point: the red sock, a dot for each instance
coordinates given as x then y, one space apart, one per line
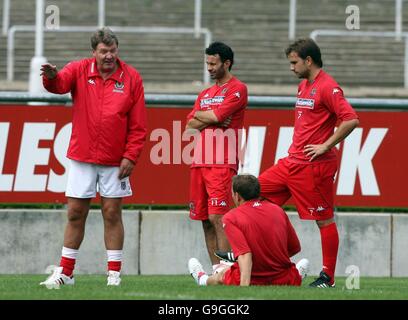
330 247
68 265
114 265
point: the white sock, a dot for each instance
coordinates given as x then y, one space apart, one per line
114 255
69 253
203 280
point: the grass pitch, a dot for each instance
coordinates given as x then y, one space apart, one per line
183 287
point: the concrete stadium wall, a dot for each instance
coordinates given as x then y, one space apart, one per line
161 242
168 240
31 240
365 241
399 242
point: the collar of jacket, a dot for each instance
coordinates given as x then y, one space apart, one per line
117 76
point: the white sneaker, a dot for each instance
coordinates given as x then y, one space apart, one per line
303 267
196 269
113 278
57 278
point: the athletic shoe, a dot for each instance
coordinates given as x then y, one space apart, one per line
196 269
323 281
303 267
225 255
57 278
113 278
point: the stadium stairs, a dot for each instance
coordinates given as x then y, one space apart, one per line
258 33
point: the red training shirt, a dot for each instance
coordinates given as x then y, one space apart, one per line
264 229
318 107
227 100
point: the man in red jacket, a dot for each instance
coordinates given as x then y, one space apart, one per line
108 134
262 238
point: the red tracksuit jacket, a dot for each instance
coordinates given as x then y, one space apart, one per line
109 117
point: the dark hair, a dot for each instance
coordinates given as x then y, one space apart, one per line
224 51
247 186
103 35
306 48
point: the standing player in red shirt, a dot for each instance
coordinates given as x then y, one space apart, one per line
108 134
261 237
217 116
307 173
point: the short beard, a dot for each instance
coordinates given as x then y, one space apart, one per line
304 75
219 74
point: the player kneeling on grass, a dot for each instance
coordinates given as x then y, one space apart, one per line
262 238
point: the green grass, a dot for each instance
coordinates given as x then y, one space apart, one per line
93 287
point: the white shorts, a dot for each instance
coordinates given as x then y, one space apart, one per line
86 179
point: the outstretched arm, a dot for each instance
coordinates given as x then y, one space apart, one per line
59 82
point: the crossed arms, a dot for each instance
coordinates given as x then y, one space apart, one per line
203 119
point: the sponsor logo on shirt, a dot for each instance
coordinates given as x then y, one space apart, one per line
237 94
336 90
91 81
215 100
305 103
256 204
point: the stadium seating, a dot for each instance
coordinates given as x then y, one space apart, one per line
257 31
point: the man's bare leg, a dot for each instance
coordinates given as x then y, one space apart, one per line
210 240
222 241
114 233
75 229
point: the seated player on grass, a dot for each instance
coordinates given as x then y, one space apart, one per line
262 238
